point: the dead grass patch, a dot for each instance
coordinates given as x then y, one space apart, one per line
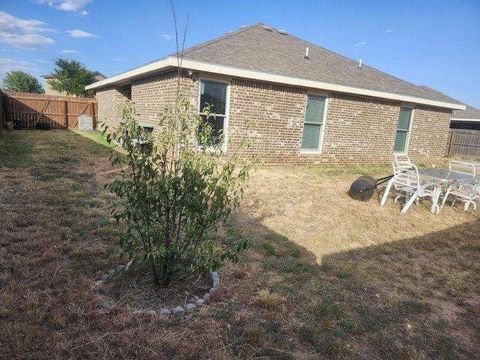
270 300
327 277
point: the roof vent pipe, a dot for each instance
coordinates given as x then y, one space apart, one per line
306 52
360 63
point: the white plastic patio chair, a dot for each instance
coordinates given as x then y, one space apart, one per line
466 193
463 192
406 182
462 167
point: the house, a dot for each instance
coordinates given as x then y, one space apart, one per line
297 102
466 119
48 87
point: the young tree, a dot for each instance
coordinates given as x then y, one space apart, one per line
22 82
72 77
176 188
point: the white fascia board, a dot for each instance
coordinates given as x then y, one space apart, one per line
465 120
262 76
140 71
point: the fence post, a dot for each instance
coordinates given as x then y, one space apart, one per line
2 113
449 143
92 107
65 115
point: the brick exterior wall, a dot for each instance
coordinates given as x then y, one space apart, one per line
110 102
357 129
429 134
151 95
270 116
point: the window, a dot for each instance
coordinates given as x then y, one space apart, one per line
126 91
213 95
146 128
312 128
403 129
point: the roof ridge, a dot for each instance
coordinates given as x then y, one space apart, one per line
225 36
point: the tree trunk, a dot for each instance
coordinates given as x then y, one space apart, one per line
156 278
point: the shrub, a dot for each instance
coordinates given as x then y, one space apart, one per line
176 188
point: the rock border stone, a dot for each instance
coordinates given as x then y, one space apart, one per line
175 310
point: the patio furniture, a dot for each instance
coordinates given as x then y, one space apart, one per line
464 167
407 183
463 191
466 193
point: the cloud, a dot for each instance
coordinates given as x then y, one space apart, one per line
361 43
80 34
7 65
23 33
388 31
68 5
166 37
117 59
12 63
69 51
27 41
12 24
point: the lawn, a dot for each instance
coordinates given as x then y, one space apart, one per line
326 277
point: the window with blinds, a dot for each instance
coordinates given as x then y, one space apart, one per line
403 129
213 107
312 127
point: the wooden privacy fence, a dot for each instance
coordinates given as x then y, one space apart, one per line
2 121
464 143
61 112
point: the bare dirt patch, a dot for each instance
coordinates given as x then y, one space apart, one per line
135 290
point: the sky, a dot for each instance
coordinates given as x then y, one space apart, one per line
427 42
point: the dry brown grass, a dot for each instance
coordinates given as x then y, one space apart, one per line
327 276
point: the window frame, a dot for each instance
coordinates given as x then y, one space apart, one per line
409 131
323 125
226 117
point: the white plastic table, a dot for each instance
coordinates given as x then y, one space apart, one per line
441 178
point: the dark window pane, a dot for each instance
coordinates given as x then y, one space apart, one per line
315 108
213 94
216 124
404 119
311 136
147 128
400 141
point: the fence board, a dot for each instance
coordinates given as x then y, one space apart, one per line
2 122
61 112
464 143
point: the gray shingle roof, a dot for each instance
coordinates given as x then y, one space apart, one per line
258 49
469 113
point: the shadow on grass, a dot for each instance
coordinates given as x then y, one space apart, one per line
413 298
